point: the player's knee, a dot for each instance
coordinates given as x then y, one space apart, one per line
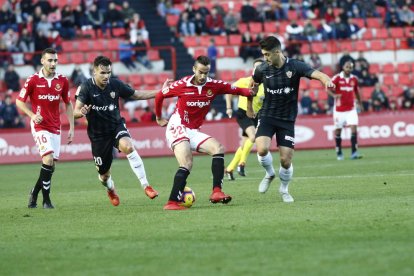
127 149
262 151
104 177
218 149
48 160
285 162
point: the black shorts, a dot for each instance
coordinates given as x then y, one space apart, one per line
244 121
284 130
103 147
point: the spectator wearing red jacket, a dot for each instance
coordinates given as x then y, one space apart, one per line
214 22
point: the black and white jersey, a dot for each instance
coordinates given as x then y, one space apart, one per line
281 86
104 115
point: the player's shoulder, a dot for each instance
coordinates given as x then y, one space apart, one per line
61 77
33 77
337 76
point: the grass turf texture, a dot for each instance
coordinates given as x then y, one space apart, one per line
349 218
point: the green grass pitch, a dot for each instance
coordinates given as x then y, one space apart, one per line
349 218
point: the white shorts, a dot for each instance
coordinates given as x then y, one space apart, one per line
176 132
345 118
47 142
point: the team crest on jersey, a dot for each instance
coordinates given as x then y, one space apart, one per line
112 94
58 87
289 74
209 93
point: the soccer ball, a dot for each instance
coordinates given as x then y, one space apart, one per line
188 198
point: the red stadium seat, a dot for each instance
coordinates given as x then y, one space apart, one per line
361 46
190 41
293 15
112 44
366 92
376 45
345 46
77 57
162 76
205 40
229 52
99 44
199 52
381 33
404 68
83 45
226 75
270 27
388 68
238 74
235 39
243 27
255 27
281 26
328 70
389 44
405 79
150 79
135 80
124 78
305 48
397 32
374 22
69 46
221 40
153 54
313 84
318 47
63 58
360 22
389 80
374 68
118 32
304 84
172 20
367 35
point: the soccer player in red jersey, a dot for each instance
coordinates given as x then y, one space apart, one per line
195 94
45 89
345 112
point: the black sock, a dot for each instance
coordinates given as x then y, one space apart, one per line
180 180
217 168
45 180
338 142
354 142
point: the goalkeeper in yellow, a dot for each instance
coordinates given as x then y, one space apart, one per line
248 125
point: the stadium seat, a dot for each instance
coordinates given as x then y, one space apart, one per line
359 21
241 74
381 33
118 32
99 44
388 68
235 39
328 70
367 35
374 68
77 57
199 52
243 27
153 54
404 68
397 32
388 79
404 44
389 44
313 84
366 92
135 80
405 79
162 76
205 40
376 45
318 47
255 27
69 46
305 48
150 79
281 26
270 27
361 46
229 52
374 22
190 41
304 84
345 46
293 15
330 47
63 58
172 20
124 78
220 40
112 44
226 75
83 45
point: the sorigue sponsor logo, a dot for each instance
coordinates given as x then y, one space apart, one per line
199 104
49 97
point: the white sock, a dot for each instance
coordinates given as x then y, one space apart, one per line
109 184
137 167
267 163
285 176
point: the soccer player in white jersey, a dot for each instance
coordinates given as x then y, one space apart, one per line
345 109
45 89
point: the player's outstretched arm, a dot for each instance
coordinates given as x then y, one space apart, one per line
69 114
324 79
149 94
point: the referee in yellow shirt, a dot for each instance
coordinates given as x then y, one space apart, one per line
248 125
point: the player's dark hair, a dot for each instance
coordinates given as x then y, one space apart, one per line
204 60
101 60
270 43
49 51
